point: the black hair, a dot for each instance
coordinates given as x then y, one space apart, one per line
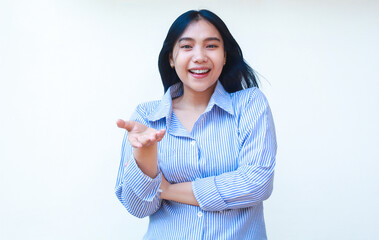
236 73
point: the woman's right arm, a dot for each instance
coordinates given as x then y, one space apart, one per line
138 178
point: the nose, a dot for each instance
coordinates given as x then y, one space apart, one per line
199 56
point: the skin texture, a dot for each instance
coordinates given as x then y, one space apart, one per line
198 58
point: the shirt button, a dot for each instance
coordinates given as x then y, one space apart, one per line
199 214
193 143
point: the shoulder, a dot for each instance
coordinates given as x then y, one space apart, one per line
143 110
249 99
147 107
252 112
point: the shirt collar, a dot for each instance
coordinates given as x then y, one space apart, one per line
220 97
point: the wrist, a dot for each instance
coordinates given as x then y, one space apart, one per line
146 159
165 189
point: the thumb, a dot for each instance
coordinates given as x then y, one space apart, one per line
128 125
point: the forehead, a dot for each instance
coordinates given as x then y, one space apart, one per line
200 29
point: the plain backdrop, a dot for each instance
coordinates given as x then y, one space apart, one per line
70 68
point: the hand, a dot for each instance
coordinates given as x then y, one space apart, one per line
140 135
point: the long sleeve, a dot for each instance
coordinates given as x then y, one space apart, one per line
135 190
229 157
252 181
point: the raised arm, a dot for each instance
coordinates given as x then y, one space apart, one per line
138 178
144 140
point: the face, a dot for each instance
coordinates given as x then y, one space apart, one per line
198 57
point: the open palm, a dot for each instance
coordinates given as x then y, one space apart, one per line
140 135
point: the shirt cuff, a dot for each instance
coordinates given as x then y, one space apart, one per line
145 187
207 195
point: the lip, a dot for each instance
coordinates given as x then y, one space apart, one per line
199 68
199 75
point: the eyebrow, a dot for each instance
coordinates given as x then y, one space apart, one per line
191 39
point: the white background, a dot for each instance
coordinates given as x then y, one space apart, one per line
69 69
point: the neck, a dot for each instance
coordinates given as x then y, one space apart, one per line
192 100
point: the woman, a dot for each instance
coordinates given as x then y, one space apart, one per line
200 161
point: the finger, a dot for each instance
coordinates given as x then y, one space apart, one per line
160 134
151 138
134 142
128 125
145 140
120 123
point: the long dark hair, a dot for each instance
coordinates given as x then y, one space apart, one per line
236 74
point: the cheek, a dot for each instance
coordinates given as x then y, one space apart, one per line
219 59
219 64
180 59
181 67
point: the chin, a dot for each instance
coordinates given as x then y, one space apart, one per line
201 88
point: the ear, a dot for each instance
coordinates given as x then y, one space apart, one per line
171 61
224 58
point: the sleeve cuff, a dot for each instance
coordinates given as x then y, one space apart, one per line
142 185
207 195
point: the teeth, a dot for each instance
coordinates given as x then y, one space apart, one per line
200 71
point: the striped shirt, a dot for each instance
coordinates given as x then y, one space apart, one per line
229 157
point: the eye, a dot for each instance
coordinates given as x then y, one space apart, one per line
186 46
212 46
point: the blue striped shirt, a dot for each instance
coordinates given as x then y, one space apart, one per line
229 157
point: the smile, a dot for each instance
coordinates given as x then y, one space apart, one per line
199 71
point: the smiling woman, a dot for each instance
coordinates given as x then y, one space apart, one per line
198 57
200 162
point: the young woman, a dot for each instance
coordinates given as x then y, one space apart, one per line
200 161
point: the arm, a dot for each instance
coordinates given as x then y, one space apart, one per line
138 178
144 140
251 182
179 192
